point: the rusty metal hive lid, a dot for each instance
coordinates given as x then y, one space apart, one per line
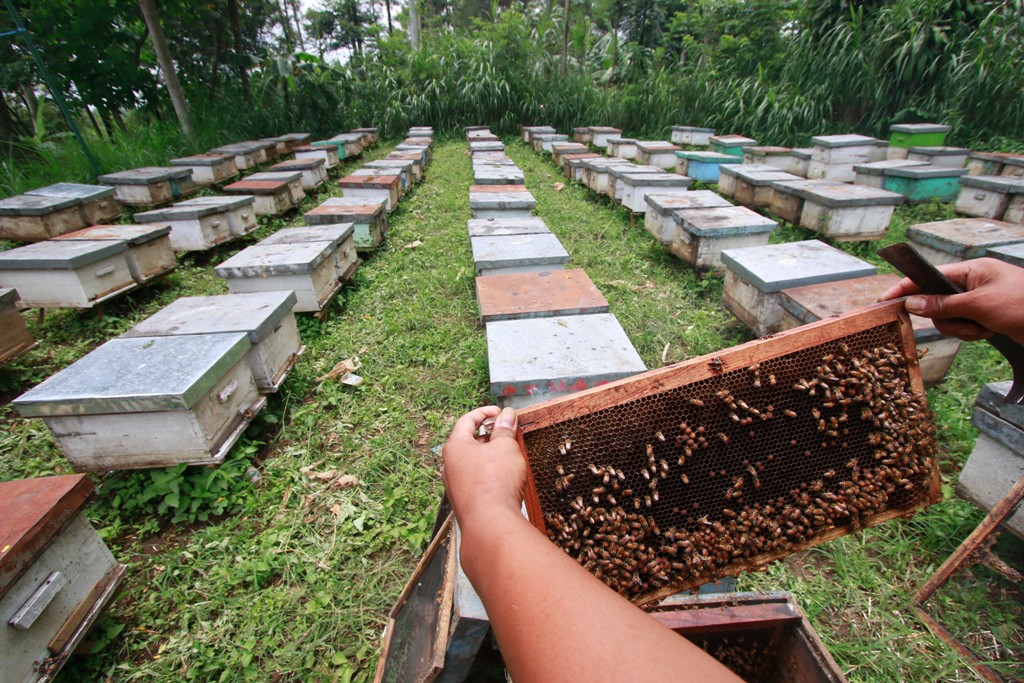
59 254
83 193
139 375
722 221
32 513
256 314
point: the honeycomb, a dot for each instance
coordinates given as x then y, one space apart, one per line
666 491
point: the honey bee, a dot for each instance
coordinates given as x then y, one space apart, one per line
697 402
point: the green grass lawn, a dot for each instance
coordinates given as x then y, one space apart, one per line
290 578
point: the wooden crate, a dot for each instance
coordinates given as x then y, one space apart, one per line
369 219
341 237
67 273
305 268
313 171
753 488
660 219
56 574
150 185
702 235
265 317
271 197
810 303
692 136
16 339
990 196
209 169
961 239
150 254
96 202
32 218
149 402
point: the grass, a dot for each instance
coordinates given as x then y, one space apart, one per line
291 577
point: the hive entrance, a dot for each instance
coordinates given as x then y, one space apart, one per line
748 462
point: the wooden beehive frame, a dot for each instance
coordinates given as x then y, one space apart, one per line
749 355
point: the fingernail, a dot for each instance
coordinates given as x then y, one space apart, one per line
507 419
915 304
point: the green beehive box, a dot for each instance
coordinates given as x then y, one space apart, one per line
924 183
907 135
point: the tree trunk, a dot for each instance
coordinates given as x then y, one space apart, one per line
565 40
387 6
414 24
298 24
286 24
28 93
615 47
215 66
100 133
236 32
6 120
163 56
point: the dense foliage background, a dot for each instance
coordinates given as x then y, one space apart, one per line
777 71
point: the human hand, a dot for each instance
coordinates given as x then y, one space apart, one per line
484 478
992 302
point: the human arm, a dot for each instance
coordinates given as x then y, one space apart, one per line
992 302
553 619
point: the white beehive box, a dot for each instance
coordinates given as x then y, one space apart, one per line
787 203
574 165
149 402
96 202
596 172
730 144
542 142
314 171
341 236
329 155
67 273
834 156
270 197
582 134
293 178
482 147
372 188
614 185
660 219
635 186
622 148
1011 253
16 339
150 254
265 317
209 169
692 136
529 131
487 227
992 197
995 163
195 226
369 219
602 134
404 168
56 574
949 157
293 140
810 303
422 150
239 209
961 239
32 218
501 201
150 185
846 213
873 174
266 149
657 153
521 253
751 184
755 276
247 156
560 149
783 158
418 131
305 268
702 234
418 166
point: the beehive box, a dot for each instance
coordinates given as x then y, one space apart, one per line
96 202
751 184
150 254
482 135
903 136
404 168
369 219
727 462
834 156
529 131
372 189
497 175
377 173
149 402
56 574
873 174
702 234
523 253
240 211
761 637
613 182
422 150
16 339
997 460
559 149
925 183
783 158
341 237
196 227
32 218
346 148
635 187
692 136
995 163
542 141
313 171
292 178
305 268
151 185
417 163
560 355
596 172
270 197
949 157
573 165
961 239
656 153
485 146
802 161
603 134
660 219
329 155
703 166
493 227
755 276
787 203
420 131
266 318
501 201
67 273
846 213
582 134
622 148
728 174
810 303
246 155
999 197
266 149
1011 253
293 140
730 144
539 294
373 135
208 169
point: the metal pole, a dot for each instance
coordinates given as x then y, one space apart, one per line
54 92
